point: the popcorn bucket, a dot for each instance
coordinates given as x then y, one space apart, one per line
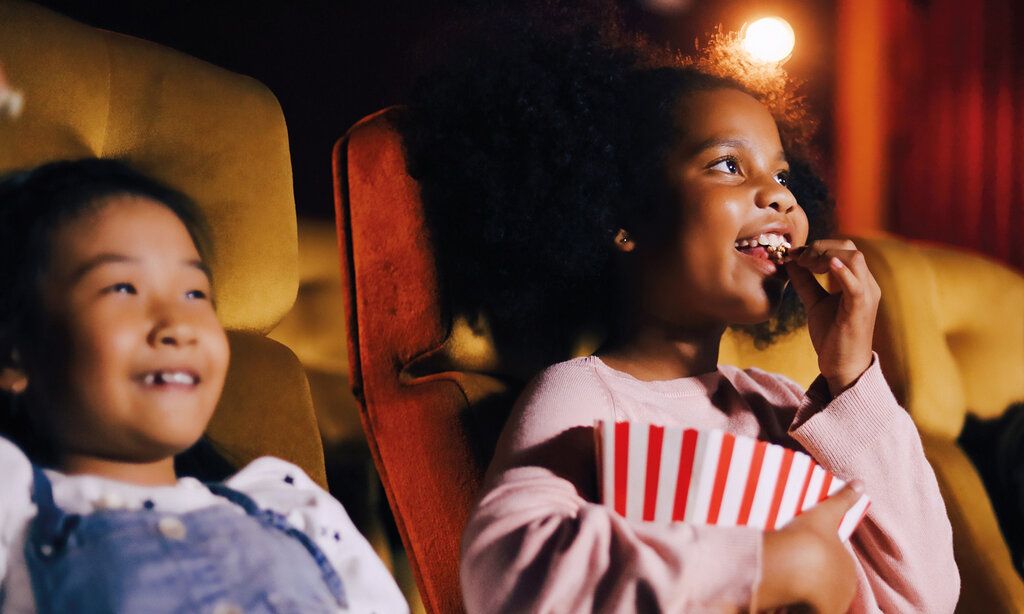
710 477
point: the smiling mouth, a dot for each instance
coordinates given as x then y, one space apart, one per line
177 377
767 246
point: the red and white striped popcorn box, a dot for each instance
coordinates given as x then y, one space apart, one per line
710 477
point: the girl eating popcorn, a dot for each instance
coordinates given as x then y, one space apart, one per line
571 179
114 360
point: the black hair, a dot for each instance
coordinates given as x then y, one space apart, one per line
540 137
33 204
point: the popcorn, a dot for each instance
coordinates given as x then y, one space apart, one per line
670 474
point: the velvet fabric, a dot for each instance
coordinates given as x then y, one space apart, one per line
414 425
950 335
434 391
954 79
217 136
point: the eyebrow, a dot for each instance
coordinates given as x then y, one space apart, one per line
110 258
736 143
199 264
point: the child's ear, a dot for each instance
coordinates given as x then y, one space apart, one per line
623 241
13 378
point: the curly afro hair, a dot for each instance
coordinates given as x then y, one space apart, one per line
542 135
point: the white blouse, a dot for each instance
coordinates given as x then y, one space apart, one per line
271 482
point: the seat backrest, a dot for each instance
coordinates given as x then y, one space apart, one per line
434 391
217 136
950 332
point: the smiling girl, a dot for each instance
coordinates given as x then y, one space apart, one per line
569 179
114 360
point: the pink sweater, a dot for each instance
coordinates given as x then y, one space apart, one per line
538 542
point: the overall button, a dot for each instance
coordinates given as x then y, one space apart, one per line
110 501
172 528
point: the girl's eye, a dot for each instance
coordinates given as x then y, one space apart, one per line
727 165
195 295
122 288
783 178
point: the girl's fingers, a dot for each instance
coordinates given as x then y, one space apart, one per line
818 257
823 244
819 262
806 286
812 251
850 284
823 257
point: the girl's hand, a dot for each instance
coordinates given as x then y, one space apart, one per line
806 564
841 324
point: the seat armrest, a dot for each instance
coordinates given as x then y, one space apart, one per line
990 582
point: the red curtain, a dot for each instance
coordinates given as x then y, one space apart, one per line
956 124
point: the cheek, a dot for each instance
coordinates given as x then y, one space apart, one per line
218 349
801 228
100 355
108 340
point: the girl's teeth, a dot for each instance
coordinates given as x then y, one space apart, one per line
181 378
165 377
765 240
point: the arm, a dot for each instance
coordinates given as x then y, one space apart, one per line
536 542
853 426
285 488
904 547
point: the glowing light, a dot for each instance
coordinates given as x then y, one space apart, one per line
770 39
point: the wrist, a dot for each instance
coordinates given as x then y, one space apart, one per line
840 383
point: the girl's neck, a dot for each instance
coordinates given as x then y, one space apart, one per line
158 473
657 351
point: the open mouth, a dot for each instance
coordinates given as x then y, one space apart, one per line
175 377
767 246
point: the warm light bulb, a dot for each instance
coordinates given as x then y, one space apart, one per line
770 39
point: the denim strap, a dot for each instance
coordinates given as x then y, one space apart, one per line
279 522
51 525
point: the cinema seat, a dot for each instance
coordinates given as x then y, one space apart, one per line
218 137
433 392
950 336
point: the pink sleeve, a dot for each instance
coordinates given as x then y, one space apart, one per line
904 547
534 543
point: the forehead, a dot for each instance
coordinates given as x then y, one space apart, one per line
132 225
725 114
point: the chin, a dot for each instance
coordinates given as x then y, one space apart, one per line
757 311
169 442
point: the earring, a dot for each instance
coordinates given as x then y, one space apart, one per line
624 239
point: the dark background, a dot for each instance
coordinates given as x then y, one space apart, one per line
332 63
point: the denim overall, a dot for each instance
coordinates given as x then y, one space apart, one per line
213 560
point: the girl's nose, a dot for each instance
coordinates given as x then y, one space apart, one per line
172 330
776 196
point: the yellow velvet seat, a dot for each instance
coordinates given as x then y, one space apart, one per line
951 339
218 137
